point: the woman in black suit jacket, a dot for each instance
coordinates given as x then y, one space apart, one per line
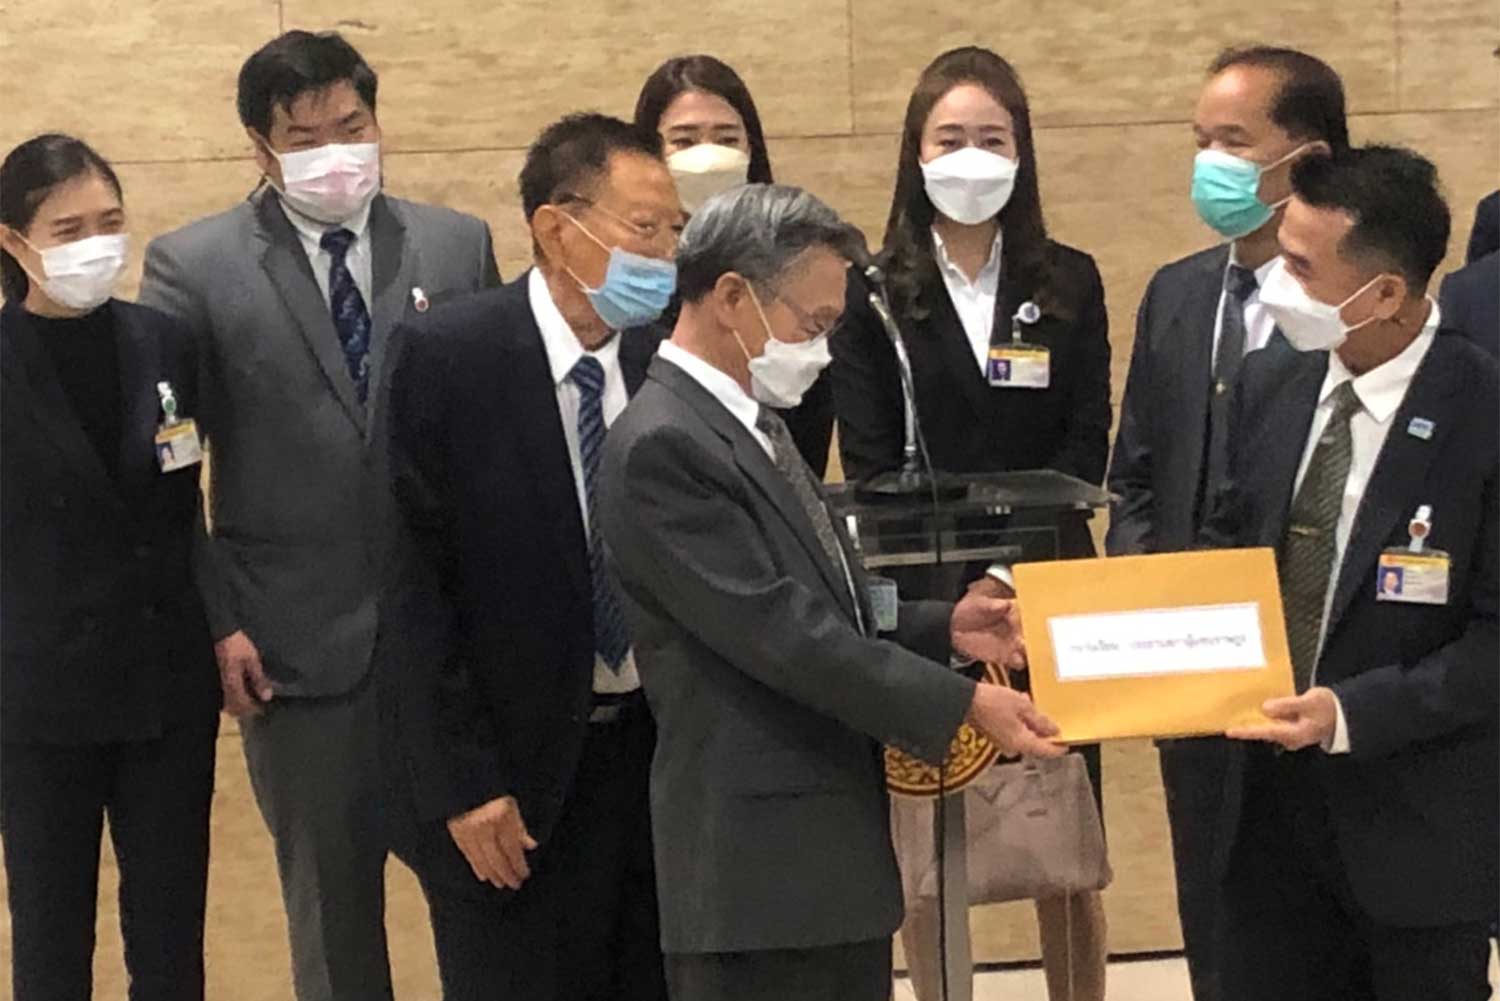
110 695
965 250
711 132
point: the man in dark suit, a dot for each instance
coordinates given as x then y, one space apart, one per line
1261 110
1358 861
293 296
1470 298
523 741
756 638
1484 237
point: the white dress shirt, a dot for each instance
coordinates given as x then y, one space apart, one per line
358 259
1381 392
1259 324
563 352
974 301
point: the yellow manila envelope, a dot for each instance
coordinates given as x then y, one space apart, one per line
1173 645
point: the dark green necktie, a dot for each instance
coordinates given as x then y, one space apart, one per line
1306 560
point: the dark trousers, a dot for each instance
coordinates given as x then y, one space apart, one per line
1193 774
585 926
857 972
53 801
1291 929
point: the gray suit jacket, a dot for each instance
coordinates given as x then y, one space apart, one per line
768 798
301 513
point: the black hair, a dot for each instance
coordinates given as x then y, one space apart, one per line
29 174
1309 104
297 63
1026 252
1401 221
572 154
711 76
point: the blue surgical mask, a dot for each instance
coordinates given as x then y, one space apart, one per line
1226 192
636 289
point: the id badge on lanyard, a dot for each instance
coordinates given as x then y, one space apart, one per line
177 443
1415 575
1018 364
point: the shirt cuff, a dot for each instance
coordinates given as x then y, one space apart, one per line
1339 743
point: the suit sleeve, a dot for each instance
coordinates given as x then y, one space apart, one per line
168 287
685 547
1132 516
1394 707
446 709
866 391
1084 449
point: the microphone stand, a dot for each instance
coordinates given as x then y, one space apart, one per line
916 475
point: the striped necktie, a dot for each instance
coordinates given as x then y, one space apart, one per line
611 641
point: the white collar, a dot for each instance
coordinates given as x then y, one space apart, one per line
562 345
991 269
1382 389
313 230
720 385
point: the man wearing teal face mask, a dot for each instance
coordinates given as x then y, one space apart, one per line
1261 111
524 742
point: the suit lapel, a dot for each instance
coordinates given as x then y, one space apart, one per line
140 370
758 468
1396 484
637 348
32 388
290 272
1292 413
1192 344
952 342
540 428
394 266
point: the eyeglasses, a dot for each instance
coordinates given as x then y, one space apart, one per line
654 234
807 321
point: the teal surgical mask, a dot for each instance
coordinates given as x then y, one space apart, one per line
1226 192
636 289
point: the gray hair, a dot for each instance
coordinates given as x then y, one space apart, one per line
756 231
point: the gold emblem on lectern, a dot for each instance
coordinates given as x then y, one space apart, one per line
968 756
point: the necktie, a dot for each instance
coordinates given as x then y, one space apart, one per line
1311 544
789 463
350 316
1239 286
611 642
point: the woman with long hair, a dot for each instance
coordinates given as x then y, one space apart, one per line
1009 346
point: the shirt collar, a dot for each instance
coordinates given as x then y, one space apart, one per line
990 271
718 383
313 230
1382 389
561 344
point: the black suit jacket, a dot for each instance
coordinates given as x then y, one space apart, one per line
104 636
970 426
1414 804
1484 238
1470 300
487 662
768 797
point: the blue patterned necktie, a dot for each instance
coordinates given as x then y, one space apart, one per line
350 316
1239 286
610 639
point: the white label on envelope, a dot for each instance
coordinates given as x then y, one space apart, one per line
1157 641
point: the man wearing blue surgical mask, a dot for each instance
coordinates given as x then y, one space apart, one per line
1261 111
518 732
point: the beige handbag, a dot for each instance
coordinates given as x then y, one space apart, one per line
1033 831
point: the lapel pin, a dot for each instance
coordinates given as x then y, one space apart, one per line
419 300
1421 427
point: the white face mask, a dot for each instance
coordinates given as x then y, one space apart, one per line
82 274
1309 325
332 183
970 185
706 169
785 371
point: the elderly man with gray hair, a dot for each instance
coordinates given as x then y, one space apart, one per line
755 637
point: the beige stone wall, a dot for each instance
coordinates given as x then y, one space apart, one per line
467 83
